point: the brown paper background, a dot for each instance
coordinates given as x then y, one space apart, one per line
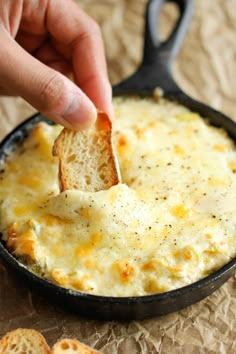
206 69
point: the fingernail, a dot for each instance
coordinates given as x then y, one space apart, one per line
80 112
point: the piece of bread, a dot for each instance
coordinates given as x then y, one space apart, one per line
87 161
72 346
24 341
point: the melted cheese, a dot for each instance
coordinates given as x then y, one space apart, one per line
171 222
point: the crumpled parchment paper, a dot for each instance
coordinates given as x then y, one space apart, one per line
206 69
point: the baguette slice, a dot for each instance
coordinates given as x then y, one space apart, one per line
72 346
24 341
87 161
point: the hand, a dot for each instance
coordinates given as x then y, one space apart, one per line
41 41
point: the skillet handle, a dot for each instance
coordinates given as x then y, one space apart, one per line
154 49
155 69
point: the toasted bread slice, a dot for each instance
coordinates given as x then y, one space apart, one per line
87 161
24 341
72 346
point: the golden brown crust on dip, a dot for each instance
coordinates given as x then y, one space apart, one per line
87 161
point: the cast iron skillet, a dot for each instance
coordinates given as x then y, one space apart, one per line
154 71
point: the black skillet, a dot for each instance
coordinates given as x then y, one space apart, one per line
154 71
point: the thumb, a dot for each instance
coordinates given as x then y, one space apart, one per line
44 88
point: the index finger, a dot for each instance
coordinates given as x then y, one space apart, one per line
72 27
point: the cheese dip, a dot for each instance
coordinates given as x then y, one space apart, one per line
170 223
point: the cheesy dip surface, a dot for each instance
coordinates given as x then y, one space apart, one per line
170 223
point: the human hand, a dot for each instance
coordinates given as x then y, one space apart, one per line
41 41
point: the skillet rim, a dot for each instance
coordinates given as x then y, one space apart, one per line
14 138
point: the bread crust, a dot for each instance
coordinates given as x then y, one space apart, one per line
72 346
24 340
95 166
